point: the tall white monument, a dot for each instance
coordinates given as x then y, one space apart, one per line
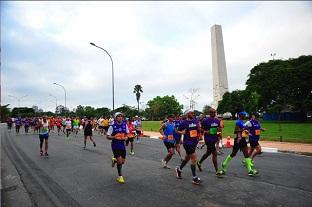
219 74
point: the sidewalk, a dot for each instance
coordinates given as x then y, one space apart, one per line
289 147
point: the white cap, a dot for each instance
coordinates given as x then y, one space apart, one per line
118 113
188 111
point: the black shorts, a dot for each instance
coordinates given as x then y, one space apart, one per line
138 132
88 134
130 139
211 145
190 148
242 144
169 145
43 136
105 128
253 143
119 153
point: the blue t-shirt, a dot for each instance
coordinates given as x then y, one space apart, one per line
254 130
121 130
240 124
211 124
191 128
168 131
177 123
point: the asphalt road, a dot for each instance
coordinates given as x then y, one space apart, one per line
72 176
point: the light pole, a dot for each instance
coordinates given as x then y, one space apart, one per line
18 99
65 94
55 101
273 55
91 43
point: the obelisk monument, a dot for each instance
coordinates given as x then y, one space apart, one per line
219 74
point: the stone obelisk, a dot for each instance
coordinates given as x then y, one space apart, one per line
219 74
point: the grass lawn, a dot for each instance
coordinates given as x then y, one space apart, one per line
290 132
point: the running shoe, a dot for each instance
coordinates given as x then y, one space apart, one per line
120 179
114 161
46 154
196 180
220 173
199 166
132 153
84 147
94 144
163 163
41 153
178 173
252 172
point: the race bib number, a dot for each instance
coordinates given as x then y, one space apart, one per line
170 137
213 131
193 133
257 132
120 136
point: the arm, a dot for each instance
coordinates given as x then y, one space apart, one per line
109 133
161 130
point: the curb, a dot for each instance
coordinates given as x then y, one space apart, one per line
296 152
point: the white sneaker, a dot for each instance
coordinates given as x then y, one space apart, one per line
163 163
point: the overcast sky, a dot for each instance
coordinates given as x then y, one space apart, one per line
163 46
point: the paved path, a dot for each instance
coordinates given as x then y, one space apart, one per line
72 176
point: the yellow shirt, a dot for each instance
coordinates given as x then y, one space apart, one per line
105 122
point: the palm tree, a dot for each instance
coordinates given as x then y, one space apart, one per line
138 90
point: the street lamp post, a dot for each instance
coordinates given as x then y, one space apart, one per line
65 94
91 43
18 99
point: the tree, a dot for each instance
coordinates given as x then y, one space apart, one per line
138 90
22 112
104 111
160 107
5 112
283 84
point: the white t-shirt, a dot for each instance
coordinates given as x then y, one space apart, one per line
68 124
100 121
248 124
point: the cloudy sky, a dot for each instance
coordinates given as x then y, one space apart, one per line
163 46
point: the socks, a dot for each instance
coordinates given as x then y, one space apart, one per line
248 164
226 161
182 164
119 169
193 168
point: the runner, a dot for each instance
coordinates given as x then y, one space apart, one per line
177 121
18 123
44 135
130 136
9 123
190 129
219 143
210 128
167 130
88 133
75 126
100 124
240 143
105 124
58 123
26 124
117 133
254 128
68 126
64 123
138 128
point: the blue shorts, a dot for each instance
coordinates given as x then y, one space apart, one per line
44 136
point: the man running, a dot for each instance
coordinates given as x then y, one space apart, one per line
68 126
167 130
18 123
190 128
130 136
138 128
44 135
75 126
210 128
118 133
240 143
88 133
254 128
177 121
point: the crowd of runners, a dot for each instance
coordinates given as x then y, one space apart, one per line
180 130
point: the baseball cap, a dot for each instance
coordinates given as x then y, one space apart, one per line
118 113
188 111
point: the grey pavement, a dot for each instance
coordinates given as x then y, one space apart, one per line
72 176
